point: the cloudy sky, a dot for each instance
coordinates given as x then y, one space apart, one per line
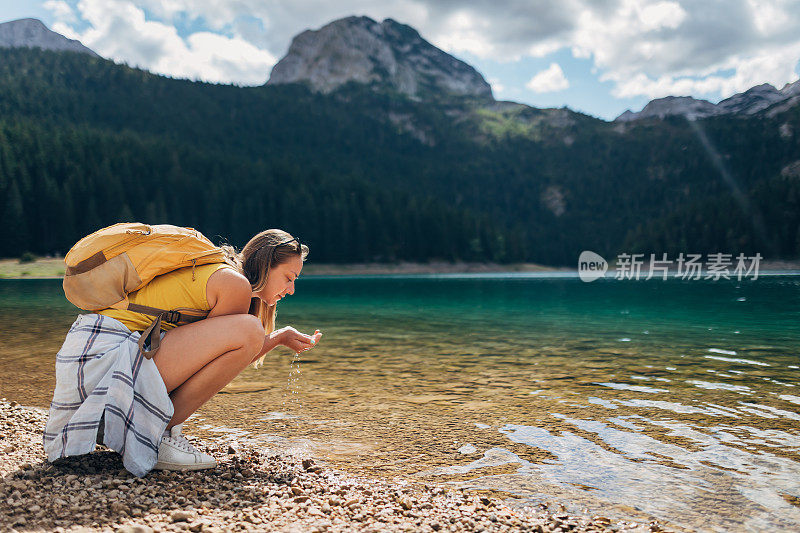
600 57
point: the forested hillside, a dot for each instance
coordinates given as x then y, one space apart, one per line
361 175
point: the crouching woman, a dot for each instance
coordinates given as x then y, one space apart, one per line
108 393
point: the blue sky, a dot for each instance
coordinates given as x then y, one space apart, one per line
585 93
599 57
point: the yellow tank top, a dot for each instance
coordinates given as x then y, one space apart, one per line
168 291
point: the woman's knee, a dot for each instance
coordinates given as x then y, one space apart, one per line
251 333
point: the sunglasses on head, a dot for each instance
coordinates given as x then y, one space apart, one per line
290 240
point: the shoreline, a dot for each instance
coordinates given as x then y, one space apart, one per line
249 490
53 268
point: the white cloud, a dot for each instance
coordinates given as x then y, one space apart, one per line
644 47
65 30
219 58
497 86
661 15
282 20
465 32
771 66
119 30
61 10
772 16
504 33
551 79
660 49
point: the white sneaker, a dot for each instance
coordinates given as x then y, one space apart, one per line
177 453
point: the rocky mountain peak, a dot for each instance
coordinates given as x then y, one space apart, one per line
387 53
752 100
791 89
749 102
670 105
32 33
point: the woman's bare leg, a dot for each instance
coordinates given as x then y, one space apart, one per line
197 360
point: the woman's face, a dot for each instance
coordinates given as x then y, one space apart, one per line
280 280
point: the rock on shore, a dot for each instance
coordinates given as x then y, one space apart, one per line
250 490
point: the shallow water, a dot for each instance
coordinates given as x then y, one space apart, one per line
678 400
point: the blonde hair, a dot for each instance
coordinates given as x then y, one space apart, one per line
265 250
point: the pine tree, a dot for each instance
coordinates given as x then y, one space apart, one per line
14 239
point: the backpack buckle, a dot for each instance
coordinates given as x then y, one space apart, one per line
172 317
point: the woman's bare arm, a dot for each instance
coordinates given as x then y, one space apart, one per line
228 293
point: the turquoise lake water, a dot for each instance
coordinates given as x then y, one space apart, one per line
676 400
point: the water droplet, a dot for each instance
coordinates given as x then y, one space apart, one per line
292 382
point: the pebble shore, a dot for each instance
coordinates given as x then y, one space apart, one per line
249 490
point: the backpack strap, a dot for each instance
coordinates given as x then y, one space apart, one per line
178 316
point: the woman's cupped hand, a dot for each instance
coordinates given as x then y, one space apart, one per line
296 341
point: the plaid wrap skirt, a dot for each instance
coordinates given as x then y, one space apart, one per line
102 377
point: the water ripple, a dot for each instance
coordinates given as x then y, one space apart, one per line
635 388
733 360
717 386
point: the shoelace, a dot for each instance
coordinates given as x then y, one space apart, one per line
181 442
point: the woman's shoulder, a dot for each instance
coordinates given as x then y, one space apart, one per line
226 274
228 281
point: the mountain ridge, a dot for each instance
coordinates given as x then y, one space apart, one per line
360 49
749 102
503 182
393 55
33 33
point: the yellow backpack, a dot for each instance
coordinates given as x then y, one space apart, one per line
105 266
